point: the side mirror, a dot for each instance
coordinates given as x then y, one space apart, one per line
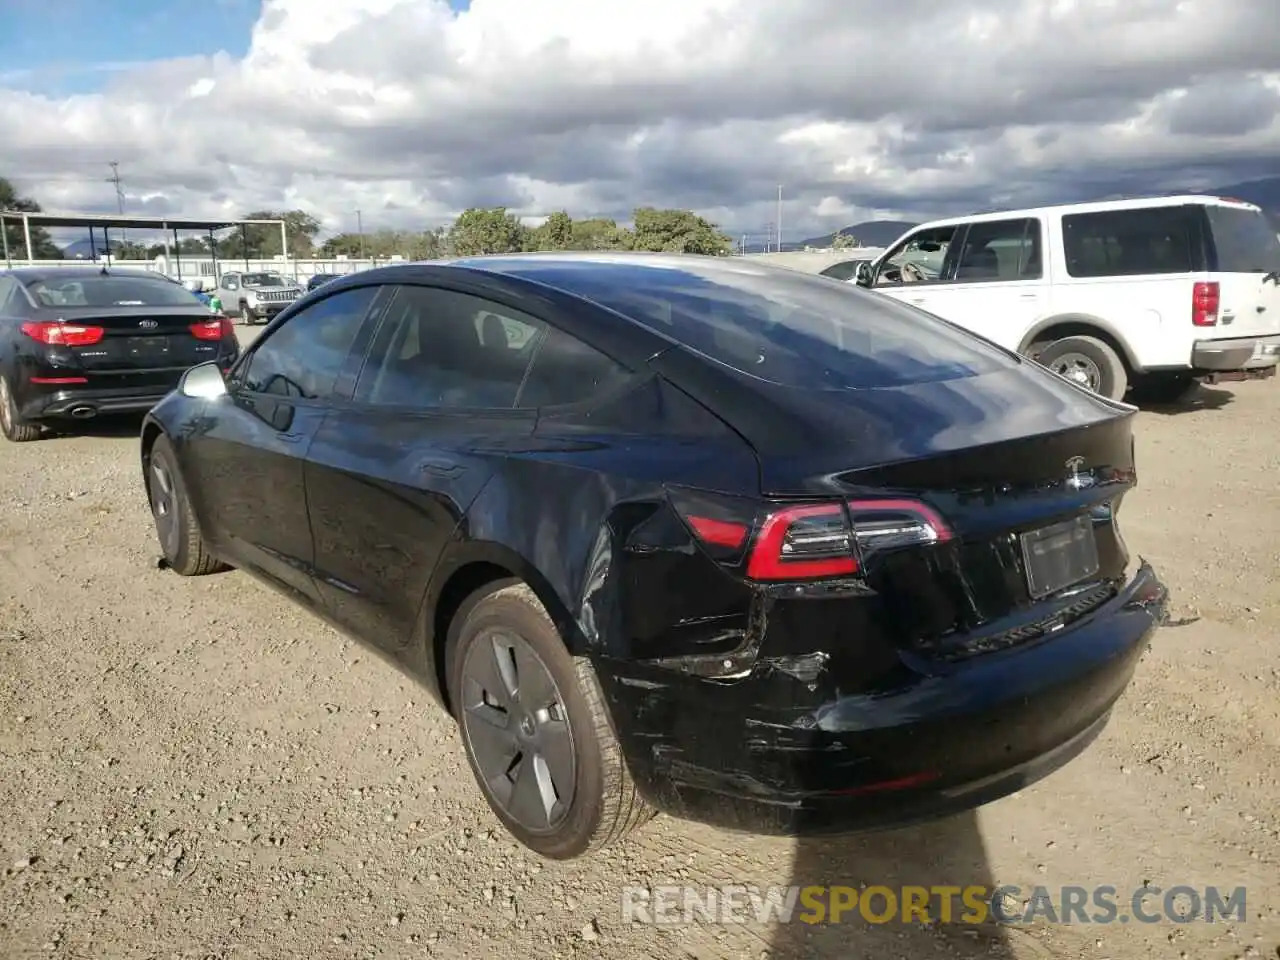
203 382
863 275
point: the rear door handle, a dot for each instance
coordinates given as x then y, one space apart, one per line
918 300
1029 296
291 437
439 467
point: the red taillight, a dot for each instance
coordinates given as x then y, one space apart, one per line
1204 304
58 334
811 541
219 328
57 381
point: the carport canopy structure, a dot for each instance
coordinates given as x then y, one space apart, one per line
121 222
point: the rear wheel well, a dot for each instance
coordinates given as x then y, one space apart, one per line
1076 328
461 584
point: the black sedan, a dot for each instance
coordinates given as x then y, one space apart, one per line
77 342
680 534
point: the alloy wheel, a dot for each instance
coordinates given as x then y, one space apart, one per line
518 731
6 406
164 506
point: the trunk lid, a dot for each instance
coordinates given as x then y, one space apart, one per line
138 339
1026 471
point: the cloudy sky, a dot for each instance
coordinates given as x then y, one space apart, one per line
411 110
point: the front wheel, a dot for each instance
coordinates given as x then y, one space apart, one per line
1089 362
180 540
12 425
535 729
246 315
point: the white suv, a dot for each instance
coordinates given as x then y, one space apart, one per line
1153 292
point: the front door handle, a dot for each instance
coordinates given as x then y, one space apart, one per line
291 437
1029 296
439 467
918 300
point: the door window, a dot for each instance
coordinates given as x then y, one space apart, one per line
919 259
1000 250
303 357
443 349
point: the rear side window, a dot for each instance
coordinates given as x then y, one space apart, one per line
781 326
1000 250
1244 241
1126 243
110 291
565 370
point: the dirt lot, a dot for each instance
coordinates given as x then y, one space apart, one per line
193 768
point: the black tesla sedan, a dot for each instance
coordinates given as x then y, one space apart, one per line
76 342
680 534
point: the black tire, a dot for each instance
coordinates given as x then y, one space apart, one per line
1077 358
1164 388
184 549
605 805
12 425
246 315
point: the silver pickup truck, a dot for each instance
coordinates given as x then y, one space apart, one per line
255 297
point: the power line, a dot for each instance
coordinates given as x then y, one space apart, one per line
115 178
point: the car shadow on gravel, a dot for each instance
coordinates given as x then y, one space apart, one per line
878 866
116 425
1199 397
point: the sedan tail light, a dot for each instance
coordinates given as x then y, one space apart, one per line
773 543
218 328
55 333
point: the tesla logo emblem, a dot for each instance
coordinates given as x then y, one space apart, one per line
148 324
1076 478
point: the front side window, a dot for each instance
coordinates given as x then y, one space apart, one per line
919 259
439 349
1000 250
110 291
1126 243
303 357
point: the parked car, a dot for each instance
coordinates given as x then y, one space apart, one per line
255 297
677 533
319 279
1154 292
79 342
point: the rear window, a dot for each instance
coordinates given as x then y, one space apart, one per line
1244 240
110 292
781 326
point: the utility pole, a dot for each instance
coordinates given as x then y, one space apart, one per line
360 231
779 218
115 178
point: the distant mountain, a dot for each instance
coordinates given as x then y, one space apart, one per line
1265 193
871 233
82 249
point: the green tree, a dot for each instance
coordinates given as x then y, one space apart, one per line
678 231
600 234
42 245
845 241
487 230
555 234
261 241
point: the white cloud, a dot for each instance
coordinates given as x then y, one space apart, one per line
408 113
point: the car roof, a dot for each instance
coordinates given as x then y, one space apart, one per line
1095 206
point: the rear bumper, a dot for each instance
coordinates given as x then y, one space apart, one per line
87 403
943 741
1239 353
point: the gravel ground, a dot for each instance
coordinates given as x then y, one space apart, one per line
194 768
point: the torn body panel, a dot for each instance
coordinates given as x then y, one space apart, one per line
818 743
